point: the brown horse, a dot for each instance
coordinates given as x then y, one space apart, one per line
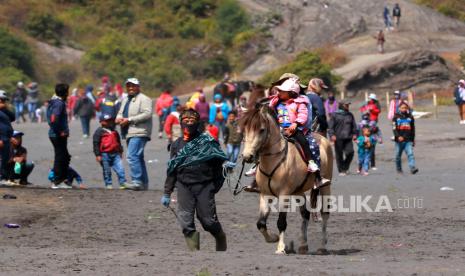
282 172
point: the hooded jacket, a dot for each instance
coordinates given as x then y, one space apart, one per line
342 124
296 107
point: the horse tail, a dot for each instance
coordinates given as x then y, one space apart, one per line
326 154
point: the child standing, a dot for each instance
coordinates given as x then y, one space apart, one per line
403 125
365 143
108 151
232 139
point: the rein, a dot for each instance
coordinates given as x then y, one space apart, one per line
270 175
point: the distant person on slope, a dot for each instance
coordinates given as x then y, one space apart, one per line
380 39
396 13
387 18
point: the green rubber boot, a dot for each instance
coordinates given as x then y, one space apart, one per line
193 241
220 239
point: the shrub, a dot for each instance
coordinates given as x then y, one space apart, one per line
200 8
9 77
67 73
46 27
15 52
231 20
462 58
306 65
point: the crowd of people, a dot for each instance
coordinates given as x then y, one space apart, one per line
196 132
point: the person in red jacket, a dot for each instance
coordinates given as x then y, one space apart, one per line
162 107
172 125
213 130
372 108
108 151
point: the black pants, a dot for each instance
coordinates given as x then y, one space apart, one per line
26 169
5 155
344 154
373 156
302 140
62 158
200 199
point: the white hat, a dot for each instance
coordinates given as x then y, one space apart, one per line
290 85
372 96
3 95
20 84
133 81
462 82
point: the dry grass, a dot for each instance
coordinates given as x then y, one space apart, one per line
332 56
453 57
445 97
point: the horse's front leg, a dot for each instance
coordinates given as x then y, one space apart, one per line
282 225
261 223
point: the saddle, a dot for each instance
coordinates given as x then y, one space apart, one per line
299 148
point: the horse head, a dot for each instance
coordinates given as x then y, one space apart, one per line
257 126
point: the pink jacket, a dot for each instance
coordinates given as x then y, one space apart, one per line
297 108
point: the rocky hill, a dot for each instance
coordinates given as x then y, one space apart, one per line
350 26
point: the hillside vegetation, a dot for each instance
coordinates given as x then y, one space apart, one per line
162 42
452 8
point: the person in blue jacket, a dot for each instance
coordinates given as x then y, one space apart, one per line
319 124
6 132
58 133
219 111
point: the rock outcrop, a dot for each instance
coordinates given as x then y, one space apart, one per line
419 69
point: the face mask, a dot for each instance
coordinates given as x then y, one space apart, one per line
189 129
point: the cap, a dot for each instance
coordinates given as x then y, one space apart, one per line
3 95
462 82
217 97
20 84
314 83
17 133
290 85
397 92
286 76
189 113
372 96
105 117
133 81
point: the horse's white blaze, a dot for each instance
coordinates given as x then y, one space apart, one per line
251 145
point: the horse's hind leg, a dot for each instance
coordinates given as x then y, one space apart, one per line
261 223
305 214
282 225
324 235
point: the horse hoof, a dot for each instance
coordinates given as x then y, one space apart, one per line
322 251
303 249
280 252
272 238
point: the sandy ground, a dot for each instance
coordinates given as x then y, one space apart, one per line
99 232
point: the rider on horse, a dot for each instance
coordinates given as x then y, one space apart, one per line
299 126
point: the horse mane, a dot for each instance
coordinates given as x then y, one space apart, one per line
254 118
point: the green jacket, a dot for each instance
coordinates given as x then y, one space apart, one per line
232 134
